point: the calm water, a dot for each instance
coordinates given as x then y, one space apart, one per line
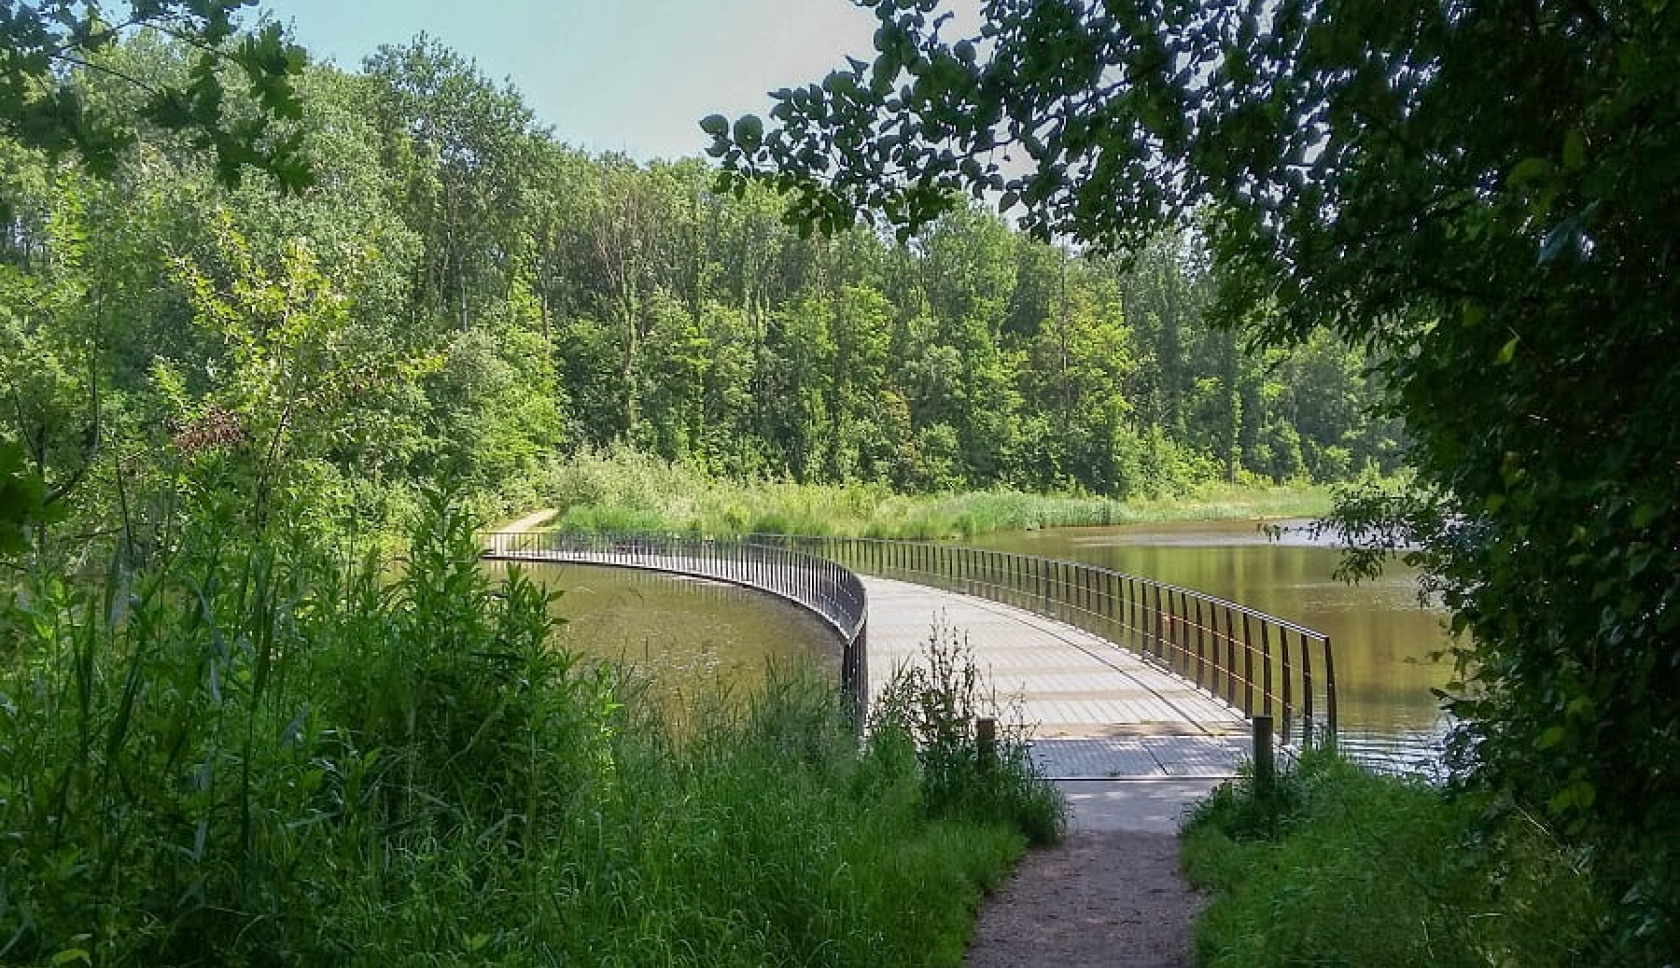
1382 636
689 636
693 636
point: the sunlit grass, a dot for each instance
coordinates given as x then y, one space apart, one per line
626 491
1336 866
259 759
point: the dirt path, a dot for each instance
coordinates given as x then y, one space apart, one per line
1101 898
526 523
1110 895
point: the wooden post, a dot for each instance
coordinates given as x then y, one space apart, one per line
985 742
1265 755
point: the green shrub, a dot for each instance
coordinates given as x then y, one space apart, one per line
1335 866
929 711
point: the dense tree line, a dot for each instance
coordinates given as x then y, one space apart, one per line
459 296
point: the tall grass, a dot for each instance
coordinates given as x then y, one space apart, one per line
931 708
1335 866
251 757
626 490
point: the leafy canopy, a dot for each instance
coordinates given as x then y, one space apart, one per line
1485 193
41 44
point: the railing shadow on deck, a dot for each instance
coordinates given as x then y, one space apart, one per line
1257 663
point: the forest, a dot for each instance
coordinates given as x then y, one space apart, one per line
460 297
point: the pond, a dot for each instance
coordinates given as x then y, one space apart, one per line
688 637
1382 635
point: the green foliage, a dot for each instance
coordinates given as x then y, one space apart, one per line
460 297
266 757
43 42
629 490
224 738
23 501
933 707
1332 865
1509 273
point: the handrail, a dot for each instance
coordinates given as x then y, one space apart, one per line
822 586
1258 663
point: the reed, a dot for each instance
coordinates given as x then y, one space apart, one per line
253 757
625 490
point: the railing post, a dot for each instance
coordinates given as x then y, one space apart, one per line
1288 677
1201 644
985 743
1329 691
1129 616
1160 623
1306 689
1042 585
1230 658
1116 606
1248 669
1081 594
1062 594
1265 760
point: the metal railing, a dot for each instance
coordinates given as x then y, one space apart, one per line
821 585
1257 663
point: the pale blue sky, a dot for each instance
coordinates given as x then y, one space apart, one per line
609 75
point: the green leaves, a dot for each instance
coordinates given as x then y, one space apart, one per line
749 133
39 105
1508 352
1574 150
22 500
1428 182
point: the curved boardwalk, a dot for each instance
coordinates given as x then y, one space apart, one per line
1096 710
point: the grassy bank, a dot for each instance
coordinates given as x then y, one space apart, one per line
1335 866
261 759
629 491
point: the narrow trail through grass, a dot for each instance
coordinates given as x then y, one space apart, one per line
1096 900
1111 894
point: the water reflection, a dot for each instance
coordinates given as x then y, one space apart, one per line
689 637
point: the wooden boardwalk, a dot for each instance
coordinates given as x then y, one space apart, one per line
1095 710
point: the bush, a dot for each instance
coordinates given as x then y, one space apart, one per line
1335 866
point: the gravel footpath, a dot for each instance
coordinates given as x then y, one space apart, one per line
1109 895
